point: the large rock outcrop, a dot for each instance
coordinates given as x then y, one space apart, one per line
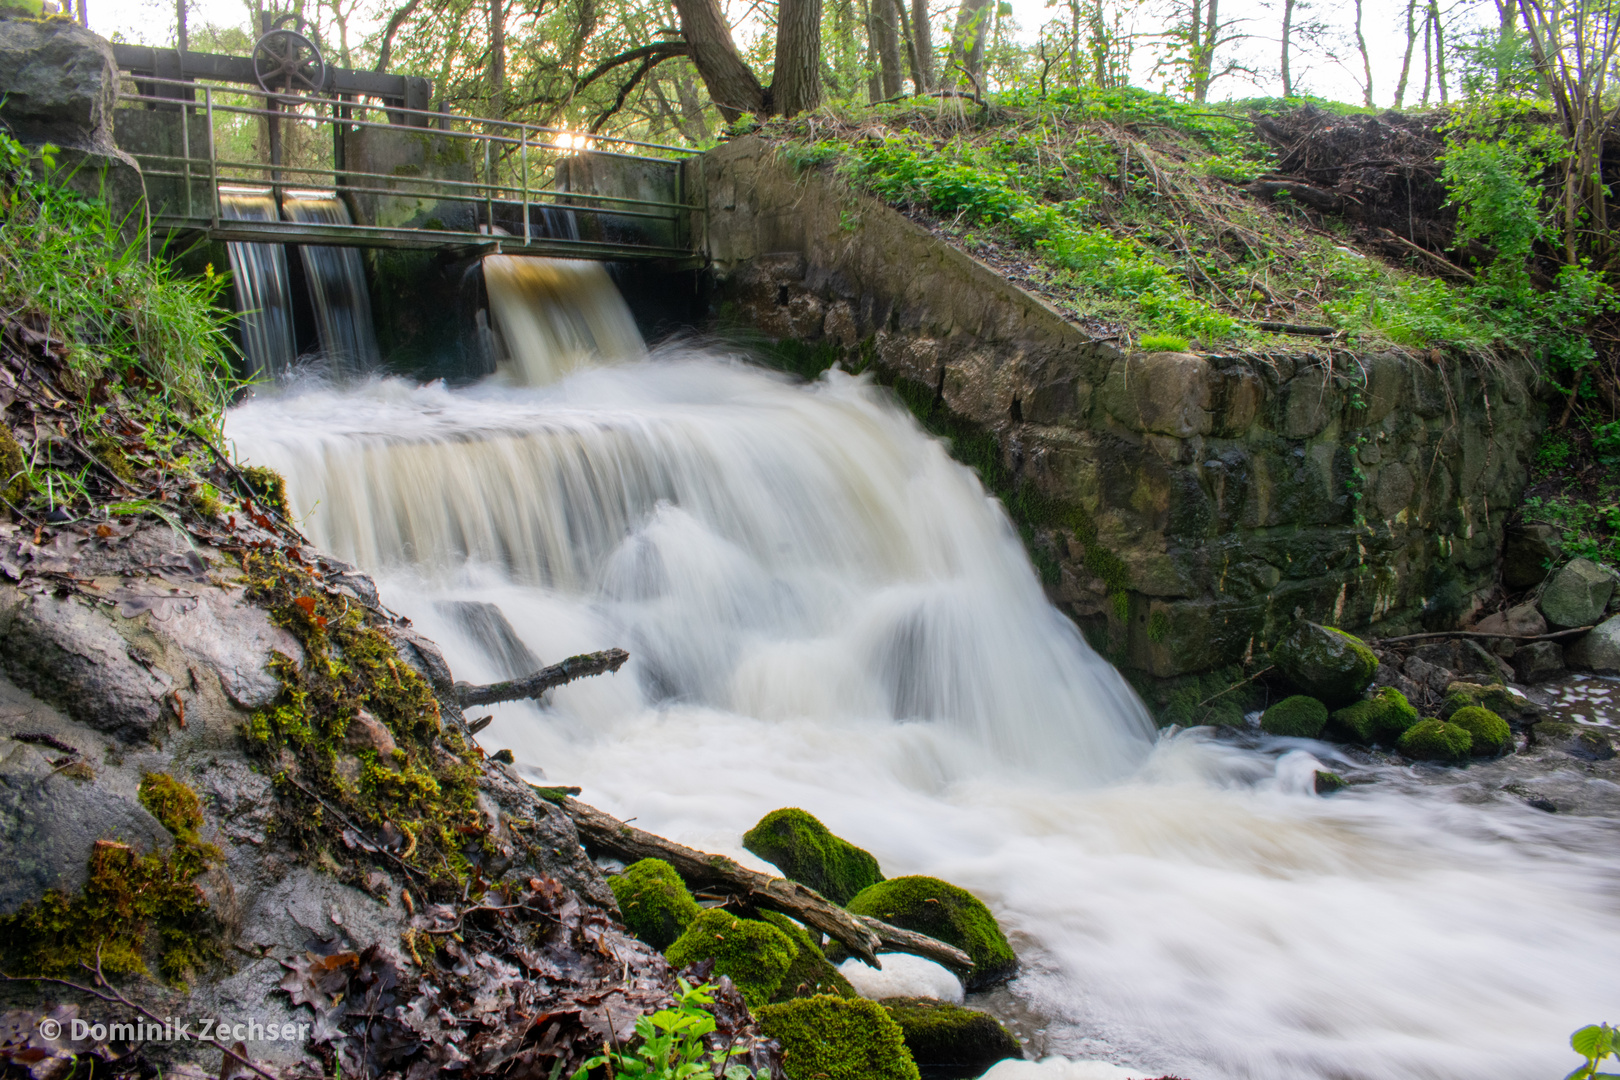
1186 509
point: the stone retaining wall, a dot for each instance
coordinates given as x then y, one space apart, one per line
1189 507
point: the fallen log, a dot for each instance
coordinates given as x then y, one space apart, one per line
532 686
864 937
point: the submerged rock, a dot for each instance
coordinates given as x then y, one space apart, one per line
1577 594
1436 740
834 1038
941 910
654 902
1325 663
1586 743
941 1035
1298 716
806 851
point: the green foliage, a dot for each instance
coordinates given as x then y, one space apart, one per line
1162 343
1299 717
671 1045
1436 740
1588 520
654 901
799 845
1596 1043
834 1038
1489 733
1381 718
1553 453
754 955
941 910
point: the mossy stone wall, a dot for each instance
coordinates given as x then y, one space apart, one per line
1184 509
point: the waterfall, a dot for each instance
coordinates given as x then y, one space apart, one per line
259 273
824 610
556 315
337 287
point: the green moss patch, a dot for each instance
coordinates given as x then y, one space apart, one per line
424 793
268 486
835 1038
1436 740
1325 662
654 902
942 1035
1489 732
754 955
800 846
1298 717
811 973
941 910
172 803
1381 718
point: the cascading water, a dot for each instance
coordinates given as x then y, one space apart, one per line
556 315
825 611
259 272
337 287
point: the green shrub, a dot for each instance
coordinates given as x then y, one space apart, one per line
654 902
805 851
670 1045
810 973
941 910
834 1038
1489 732
1299 717
754 955
1436 740
1381 718
1162 343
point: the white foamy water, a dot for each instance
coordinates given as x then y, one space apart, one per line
824 611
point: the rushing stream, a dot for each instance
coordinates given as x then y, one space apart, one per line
825 611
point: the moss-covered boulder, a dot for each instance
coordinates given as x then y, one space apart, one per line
1585 743
1298 717
1381 718
755 955
941 910
836 1038
1325 663
811 973
941 1035
1514 708
654 902
805 851
1326 783
1489 732
1436 740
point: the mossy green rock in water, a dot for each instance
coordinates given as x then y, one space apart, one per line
1494 696
942 1035
755 955
1436 740
1325 663
805 851
654 902
1382 718
1489 732
834 1038
810 973
1298 716
941 910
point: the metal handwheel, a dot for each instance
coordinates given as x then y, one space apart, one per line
287 63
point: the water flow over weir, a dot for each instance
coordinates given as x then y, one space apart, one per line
337 287
260 274
825 611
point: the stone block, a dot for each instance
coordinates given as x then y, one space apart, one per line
1598 650
1166 393
60 83
1538 661
1577 594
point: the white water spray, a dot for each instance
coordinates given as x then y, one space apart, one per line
824 611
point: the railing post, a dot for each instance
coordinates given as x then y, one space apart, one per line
213 157
185 137
489 189
524 132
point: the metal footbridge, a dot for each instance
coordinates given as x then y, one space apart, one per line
208 130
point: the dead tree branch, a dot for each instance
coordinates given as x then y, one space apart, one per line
532 686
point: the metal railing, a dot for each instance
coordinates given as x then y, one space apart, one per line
500 185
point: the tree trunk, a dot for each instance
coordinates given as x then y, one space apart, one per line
885 34
497 58
733 87
967 44
1439 48
797 84
1287 34
1366 60
1203 65
922 38
1428 57
695 126
1411 45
